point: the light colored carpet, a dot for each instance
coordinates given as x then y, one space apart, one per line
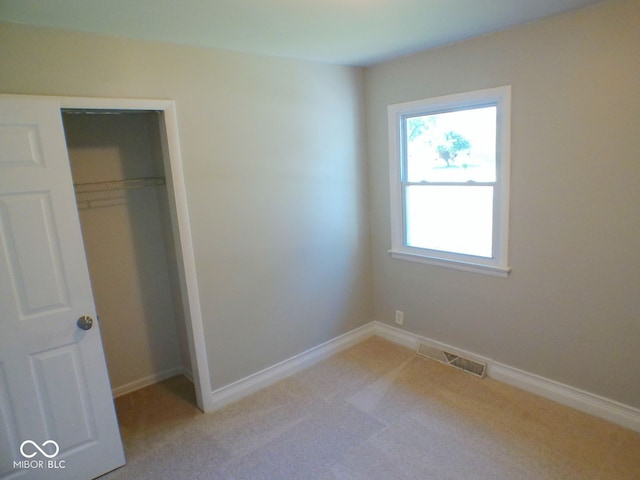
374 411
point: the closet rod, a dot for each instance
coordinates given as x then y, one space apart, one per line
118 184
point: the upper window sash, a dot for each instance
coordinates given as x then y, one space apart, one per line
428 112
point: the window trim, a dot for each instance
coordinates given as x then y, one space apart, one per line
497 265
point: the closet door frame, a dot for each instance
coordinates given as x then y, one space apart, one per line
181 228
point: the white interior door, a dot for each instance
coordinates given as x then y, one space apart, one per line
57 418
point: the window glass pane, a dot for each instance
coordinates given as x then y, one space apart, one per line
456 219
454 146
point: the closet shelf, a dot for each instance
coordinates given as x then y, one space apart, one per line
114 185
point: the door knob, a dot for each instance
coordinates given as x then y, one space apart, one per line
85 322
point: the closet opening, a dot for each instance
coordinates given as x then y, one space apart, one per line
118 162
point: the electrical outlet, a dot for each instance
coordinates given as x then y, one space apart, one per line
399 317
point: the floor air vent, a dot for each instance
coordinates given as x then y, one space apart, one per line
473 367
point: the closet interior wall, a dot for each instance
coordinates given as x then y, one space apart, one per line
129 245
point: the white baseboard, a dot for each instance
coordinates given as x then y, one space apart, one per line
150 380
279 371
605 408
602 407
187 373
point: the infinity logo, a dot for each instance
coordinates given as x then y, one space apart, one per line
35 445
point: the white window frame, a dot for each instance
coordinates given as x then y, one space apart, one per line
498 264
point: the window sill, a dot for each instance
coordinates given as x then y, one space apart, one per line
452 264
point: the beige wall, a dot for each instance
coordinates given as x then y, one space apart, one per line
570 311
274 169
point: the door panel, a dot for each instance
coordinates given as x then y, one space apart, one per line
68 417
20 145
53 377
8 432
32 246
